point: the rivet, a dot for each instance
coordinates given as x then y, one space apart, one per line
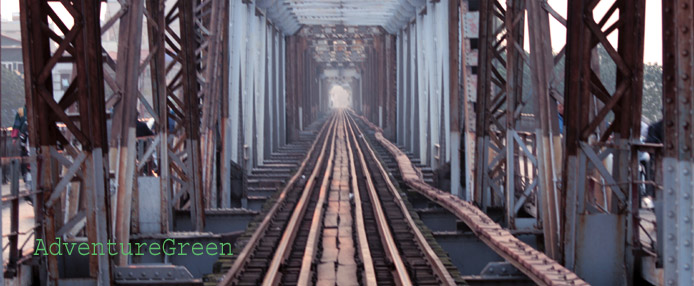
671 191
670 146
671 282
671 259
686 196
668 100
685 53
684 29
686 171
685 6
686 267
685 77
670 168
687 243
687 219
671 214
671 236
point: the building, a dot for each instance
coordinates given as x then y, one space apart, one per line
11 50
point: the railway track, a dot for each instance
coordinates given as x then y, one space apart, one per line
339 221
533 263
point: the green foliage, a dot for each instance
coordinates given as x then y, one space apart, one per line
652 103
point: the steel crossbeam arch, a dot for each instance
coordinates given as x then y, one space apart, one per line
584 137
80 45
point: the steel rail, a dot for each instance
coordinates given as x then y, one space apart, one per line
272 274
318 214
536 265
242 258
430 254
362 241
401 275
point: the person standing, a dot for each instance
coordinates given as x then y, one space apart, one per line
20 134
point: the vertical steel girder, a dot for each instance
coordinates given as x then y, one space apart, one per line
517 138
586 196
500 105
455 15
127 71
178 99
678 164
176 64
210 22
78 147
547 138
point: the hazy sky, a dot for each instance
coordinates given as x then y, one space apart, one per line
652 51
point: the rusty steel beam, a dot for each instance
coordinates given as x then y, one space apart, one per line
678 162
588 203
213 39
498 179
123 128
190 114
455 48
547 136
80 45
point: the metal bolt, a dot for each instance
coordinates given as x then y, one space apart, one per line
671 214
670 168
671 191
685 53
671 282
671 236
671 259
685 77
686 196
686 219
684 29
687 243
686 267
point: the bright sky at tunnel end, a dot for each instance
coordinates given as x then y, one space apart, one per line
653 37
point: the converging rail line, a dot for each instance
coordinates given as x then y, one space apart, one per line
339 221
533 263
